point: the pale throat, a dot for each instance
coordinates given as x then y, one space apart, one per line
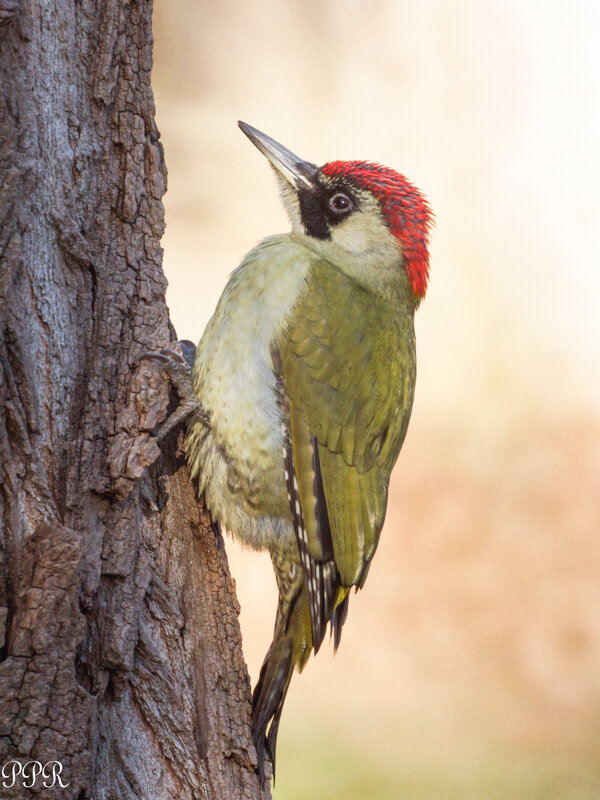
366 250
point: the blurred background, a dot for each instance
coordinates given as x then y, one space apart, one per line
470 663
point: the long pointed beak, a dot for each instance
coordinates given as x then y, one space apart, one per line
291 167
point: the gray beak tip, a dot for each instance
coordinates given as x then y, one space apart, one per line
294 169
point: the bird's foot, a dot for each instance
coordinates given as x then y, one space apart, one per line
177 361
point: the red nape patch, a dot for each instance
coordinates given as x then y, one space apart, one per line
405 209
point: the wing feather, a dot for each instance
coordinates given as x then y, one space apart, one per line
348 385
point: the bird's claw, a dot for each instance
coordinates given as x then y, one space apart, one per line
184 355
178 366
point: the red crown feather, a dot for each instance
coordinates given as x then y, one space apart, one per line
404 208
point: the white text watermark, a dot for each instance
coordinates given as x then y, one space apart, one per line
33 774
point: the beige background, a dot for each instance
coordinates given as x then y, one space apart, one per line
470 664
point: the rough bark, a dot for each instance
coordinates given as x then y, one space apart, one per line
121 646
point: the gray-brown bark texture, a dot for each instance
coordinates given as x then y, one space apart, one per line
121 646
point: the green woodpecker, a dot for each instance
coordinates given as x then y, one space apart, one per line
305 377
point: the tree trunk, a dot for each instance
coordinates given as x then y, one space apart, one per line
122 657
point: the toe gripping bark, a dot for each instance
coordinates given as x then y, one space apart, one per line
177 362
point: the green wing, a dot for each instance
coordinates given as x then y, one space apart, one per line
347 364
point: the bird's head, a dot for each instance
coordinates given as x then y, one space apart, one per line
357 213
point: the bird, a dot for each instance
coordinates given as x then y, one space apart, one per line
300 392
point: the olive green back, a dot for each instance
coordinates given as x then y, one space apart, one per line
348 364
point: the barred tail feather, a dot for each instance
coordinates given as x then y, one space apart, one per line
267 703
289 648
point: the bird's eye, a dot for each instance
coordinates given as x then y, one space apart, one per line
340 203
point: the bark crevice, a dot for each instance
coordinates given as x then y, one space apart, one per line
122 649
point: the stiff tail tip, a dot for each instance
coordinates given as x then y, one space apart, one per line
267 701
290 647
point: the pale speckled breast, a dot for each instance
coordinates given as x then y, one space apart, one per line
238 463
